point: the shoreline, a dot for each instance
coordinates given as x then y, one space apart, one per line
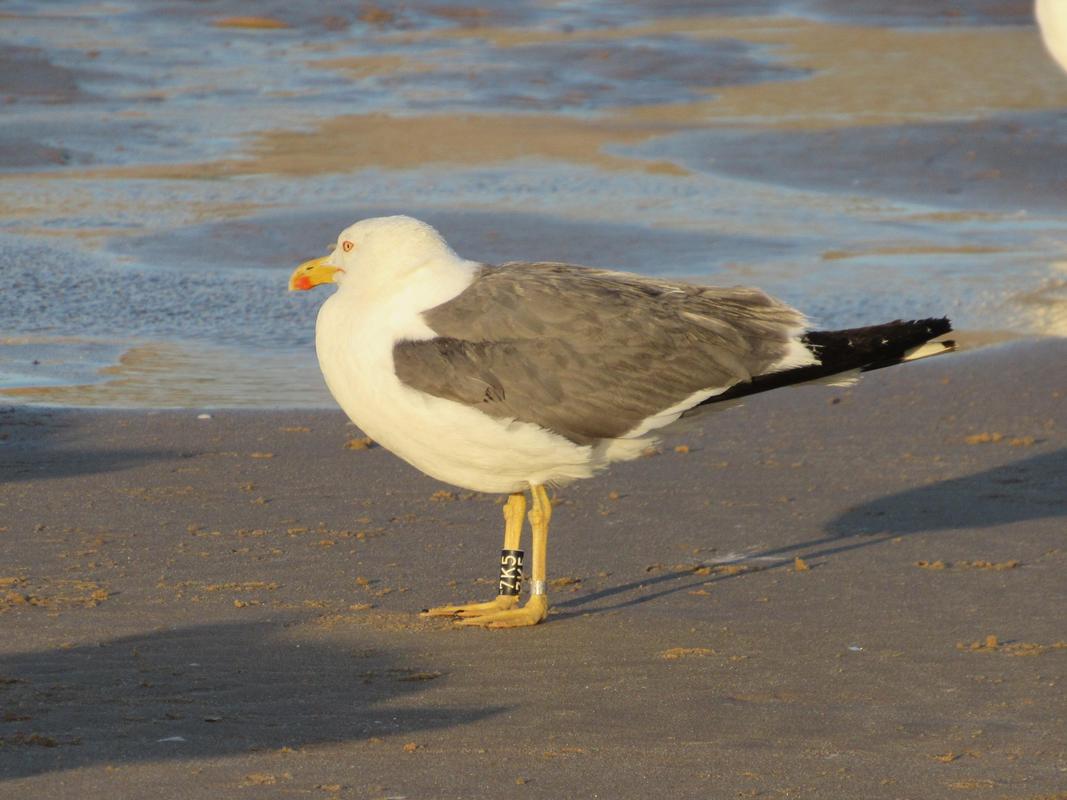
170 376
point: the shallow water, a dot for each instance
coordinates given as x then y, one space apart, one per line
164 170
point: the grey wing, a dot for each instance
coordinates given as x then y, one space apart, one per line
592 354
580 395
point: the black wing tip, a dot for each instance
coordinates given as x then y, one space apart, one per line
934 326
864 349
937 326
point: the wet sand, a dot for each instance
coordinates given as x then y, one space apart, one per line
388 142
227 607
1009 162
165 166
835 76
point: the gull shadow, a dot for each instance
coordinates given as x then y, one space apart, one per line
34 445
1031 489
1034 488
46 463
211 690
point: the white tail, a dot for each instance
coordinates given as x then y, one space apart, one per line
929 349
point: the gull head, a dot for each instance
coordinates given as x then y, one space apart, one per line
374 252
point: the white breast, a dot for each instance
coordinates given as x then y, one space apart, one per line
354 338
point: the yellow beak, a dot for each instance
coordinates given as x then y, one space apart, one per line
311 273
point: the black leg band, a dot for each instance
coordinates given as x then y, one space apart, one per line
511 571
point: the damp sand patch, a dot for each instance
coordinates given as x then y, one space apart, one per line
398 143
178 376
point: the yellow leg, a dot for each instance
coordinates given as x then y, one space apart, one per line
514 511
536 608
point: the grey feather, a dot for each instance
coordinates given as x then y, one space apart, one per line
589 353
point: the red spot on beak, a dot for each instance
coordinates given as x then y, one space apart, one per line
302 282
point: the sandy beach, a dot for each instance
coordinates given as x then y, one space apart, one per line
210 584
227 607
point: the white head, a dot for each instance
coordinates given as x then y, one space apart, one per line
376 253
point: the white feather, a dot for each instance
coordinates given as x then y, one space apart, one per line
1052 19
930 348
798 355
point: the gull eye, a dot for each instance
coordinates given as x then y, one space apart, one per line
347 246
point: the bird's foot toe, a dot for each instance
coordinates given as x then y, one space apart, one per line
500 603
535 610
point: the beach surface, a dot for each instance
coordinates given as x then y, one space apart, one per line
824 593
210 583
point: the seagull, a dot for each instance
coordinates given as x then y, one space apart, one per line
512 378
1052 20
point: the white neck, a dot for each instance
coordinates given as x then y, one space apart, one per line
434 282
